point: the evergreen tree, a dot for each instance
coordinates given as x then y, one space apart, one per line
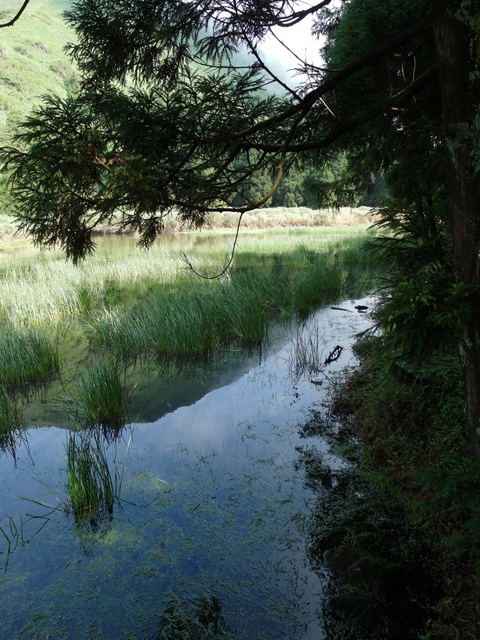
166 119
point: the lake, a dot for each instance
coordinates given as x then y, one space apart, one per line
206 533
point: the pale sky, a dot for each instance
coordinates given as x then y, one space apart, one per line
300 40
297 38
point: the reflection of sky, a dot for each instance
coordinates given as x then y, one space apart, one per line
211 498
265 393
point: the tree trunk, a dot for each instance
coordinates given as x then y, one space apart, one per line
456 44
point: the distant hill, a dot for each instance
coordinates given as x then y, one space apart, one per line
32 59
33 63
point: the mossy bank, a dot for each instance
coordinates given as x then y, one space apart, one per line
399 527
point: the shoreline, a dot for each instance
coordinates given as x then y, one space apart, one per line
267 218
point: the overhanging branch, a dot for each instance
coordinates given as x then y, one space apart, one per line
16 17
340 76
298 16
396 101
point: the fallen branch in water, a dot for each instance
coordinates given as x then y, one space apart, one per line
334 355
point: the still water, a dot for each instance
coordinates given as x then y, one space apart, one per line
212 513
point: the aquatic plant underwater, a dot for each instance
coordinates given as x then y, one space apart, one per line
91 489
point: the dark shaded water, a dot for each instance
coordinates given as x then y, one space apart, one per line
212 505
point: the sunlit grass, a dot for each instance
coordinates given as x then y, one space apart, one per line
195 321
46 288
99 395
27 357
137 304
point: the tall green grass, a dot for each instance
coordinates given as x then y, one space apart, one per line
46 288
195 322
137 304
99 396
320 283
27 358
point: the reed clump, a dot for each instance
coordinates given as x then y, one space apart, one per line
148 305
197 322
306 352
27 358
100 397
89 481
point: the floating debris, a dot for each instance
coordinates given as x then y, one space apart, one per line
334 355
341 309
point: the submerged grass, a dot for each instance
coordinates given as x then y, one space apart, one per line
89 481
193 619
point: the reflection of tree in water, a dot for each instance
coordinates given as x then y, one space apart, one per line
193 619
380 574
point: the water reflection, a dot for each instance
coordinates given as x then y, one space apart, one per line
213 513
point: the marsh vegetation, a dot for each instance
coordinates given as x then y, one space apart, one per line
172 474
80 330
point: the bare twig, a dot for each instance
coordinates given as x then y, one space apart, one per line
11 22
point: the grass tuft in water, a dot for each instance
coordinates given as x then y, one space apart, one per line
320 283
306 353
89 481
100 395
27 357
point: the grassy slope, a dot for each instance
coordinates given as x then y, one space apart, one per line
32 60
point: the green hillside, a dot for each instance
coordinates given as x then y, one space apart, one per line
33 63
32 59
